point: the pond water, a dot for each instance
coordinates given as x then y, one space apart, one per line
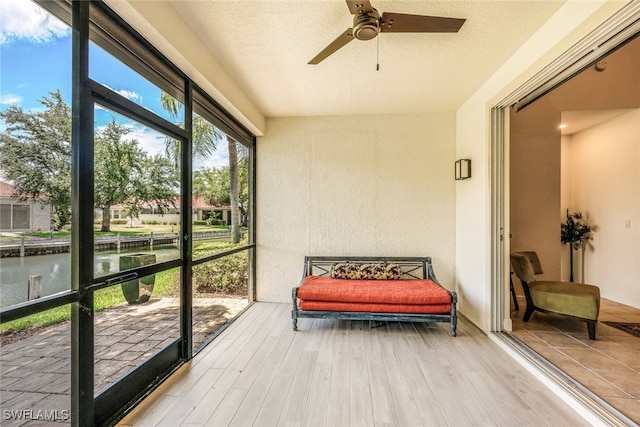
55 270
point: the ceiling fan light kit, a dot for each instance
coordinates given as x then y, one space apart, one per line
367 24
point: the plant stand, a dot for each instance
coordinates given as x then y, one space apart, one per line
139 290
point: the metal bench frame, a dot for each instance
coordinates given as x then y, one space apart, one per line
411 267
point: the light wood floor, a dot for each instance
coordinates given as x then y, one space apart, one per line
343 373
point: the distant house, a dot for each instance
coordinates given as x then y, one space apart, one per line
202 211
22 216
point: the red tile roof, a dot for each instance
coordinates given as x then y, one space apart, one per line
6 189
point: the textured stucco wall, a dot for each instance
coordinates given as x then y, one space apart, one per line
357 185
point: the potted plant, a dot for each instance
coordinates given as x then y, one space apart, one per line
575 231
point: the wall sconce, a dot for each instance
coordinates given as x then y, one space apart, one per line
463 169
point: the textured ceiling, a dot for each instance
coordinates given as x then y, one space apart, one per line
265 47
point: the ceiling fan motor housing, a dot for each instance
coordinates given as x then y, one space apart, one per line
366 25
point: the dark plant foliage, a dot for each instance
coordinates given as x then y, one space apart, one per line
575 230
228 275
35 154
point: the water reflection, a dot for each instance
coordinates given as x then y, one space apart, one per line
55 270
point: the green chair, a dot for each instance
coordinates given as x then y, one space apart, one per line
568 298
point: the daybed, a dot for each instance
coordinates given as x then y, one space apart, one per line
376 289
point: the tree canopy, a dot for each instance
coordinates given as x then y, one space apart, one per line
125 174
35 154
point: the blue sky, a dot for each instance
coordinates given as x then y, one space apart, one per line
35 58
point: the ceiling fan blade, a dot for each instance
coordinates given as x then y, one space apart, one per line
342 40
359 6
403 23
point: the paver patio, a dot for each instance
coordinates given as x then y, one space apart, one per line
35 371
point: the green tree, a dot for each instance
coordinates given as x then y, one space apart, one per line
205 141
205 135
214 186
118 169
35 155
129 176
157 186
160 182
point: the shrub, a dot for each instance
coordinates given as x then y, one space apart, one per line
119 221
228 275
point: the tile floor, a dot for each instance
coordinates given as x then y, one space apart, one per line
608 366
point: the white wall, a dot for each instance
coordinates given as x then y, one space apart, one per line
473 197
604 184
357 185
535 180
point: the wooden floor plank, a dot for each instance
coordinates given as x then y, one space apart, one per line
248 410
293 411
384 410
404 399
320 383
338 406
183 407
344 373
360 404
277 395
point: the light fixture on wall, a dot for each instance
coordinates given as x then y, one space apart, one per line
463 169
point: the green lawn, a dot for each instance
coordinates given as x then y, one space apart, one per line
166 284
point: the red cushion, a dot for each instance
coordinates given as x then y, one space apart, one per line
412 291
376 308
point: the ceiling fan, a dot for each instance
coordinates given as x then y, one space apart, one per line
367 23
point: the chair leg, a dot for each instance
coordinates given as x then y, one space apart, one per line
527 313
513 294
591 328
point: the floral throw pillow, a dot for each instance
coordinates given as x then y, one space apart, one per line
366 271
345 271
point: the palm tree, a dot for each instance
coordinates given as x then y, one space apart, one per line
205 135
235 190
205 141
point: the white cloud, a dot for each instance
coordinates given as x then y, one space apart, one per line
148 139
129 94
217 159
10 98
22 19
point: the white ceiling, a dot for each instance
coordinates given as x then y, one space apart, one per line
265 46
579 120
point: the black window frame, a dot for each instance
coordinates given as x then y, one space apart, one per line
95 21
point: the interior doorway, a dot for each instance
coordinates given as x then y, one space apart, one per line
541 171
575 148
